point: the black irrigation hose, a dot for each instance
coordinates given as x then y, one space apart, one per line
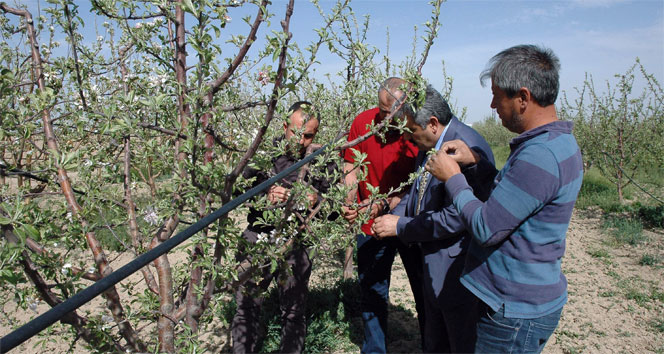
51 316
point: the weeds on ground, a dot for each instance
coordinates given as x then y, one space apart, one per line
624 230
329 324
650 260
597 191
657 325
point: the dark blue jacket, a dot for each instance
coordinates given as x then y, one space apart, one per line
439 228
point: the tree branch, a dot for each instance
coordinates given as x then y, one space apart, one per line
251 38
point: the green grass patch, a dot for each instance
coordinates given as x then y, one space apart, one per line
599 253
650 260
655 294
652 216
608 293
658 325
624 230
329 324
641 298
597 191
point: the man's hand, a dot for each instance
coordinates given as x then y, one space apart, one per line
460 152
277 194
442 166
312 198
385 226
350 214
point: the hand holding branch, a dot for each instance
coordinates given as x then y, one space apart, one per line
350 213
385 226
460 152
278 194
442 166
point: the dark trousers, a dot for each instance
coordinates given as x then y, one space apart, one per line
452 310
374 265
293 289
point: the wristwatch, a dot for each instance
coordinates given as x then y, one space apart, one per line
386 206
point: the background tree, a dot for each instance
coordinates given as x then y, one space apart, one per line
619 132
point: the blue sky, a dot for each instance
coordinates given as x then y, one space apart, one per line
598 37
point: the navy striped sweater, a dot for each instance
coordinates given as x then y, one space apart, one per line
519 232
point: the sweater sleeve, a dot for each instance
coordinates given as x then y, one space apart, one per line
528 183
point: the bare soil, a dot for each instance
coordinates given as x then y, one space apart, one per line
616 300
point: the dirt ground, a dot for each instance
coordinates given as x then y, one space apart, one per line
616 305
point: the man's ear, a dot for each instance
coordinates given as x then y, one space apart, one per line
285 127
525 96
433 123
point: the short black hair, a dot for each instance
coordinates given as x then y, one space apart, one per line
306 107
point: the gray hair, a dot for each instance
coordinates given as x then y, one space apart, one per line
434 105
530 66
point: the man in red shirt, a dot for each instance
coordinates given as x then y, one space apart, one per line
390 159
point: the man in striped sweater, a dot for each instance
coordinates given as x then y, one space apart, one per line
513 264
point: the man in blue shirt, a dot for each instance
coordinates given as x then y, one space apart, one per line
513 263
426 216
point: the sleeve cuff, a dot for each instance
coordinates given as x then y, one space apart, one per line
401 225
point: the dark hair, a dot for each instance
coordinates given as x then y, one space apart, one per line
307 110
530 66
434 105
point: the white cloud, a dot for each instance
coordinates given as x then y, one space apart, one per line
596 3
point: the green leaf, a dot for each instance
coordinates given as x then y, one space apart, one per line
31 231
5 221
189 6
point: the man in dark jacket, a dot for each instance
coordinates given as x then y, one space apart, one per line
299 133
427 217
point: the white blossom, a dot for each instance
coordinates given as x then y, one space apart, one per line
91 270
66 268
263 78
33 303
262 238
69 217
138 25
151 216
228 19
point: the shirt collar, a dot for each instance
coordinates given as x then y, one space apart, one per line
442 136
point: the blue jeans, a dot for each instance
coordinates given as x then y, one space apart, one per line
374 268
498 334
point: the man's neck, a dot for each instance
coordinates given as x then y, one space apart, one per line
540 116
